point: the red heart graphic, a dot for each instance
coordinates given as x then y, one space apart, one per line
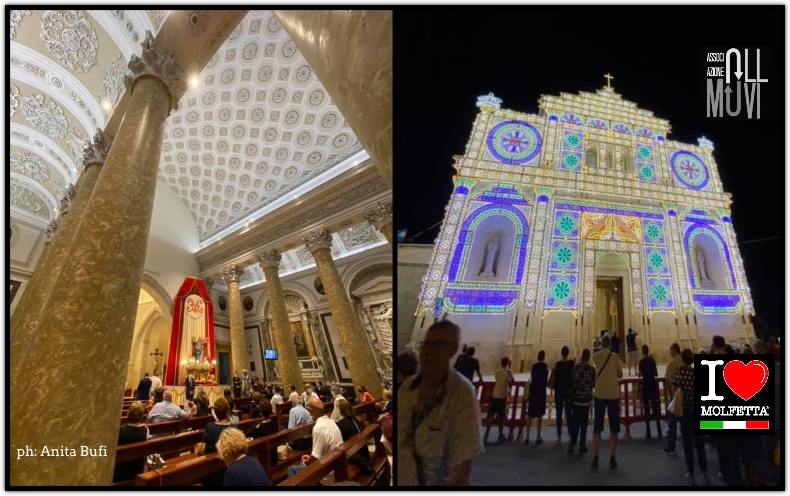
745 380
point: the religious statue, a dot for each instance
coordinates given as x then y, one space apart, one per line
198 344
703 273
491 251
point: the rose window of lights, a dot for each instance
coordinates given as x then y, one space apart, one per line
514 142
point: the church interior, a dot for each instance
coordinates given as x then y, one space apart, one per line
195 194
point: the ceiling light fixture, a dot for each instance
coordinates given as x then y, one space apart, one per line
107 105
194 82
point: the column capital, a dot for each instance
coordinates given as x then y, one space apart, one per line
155 62
52 228
380 215
68 199
232 273
270 258
317 240
96 152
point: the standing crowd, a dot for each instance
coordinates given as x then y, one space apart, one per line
439 418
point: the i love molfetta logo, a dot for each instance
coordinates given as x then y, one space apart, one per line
734 394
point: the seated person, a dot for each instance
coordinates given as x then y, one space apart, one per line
326 436
212 435
276 397
365 396
255 404
201 401
166 411
156 397
298 416
242 470
349 427
266 428
133 431
214 429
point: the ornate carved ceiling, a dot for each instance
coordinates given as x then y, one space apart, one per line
259 129
64 66
259 125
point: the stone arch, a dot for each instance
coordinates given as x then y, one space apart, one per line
716 259
289 288
159 294
350 273
464 246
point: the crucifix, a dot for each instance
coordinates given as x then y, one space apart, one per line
156 354
609 78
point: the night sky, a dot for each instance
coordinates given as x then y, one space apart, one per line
445 59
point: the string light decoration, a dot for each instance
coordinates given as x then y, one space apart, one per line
648 199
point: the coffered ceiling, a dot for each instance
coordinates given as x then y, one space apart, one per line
258 130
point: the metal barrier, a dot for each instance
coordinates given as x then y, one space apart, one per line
632 408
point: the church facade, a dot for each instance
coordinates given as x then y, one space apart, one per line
581 218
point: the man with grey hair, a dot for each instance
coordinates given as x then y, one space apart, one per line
298 416
438 416
166 411
326 436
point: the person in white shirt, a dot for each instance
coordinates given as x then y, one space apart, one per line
277 399
438 416
326 436
308 393
156 383
607 396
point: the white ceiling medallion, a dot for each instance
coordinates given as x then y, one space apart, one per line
15 18
46 116
70 38
30 165
28 200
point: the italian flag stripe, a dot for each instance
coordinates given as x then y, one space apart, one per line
734 424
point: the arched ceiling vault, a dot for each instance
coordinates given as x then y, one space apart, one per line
258 129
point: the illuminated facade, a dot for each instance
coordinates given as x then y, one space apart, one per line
580 218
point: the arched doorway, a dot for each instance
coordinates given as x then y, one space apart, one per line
612 310
151 339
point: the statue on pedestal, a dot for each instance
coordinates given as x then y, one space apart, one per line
491 250
198 345
703 273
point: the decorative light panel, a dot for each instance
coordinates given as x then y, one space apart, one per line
461 257
689 170
514 142
717 302
688 245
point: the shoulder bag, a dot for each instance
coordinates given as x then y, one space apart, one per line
676 405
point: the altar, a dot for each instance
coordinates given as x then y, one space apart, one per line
213 392
192 337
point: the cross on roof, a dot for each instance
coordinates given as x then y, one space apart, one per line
609 78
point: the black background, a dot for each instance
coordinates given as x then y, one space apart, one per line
765 397
445 59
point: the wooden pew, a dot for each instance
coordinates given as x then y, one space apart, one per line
281 411
339 463
318 470
191 471
171 447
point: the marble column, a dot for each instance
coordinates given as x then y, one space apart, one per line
281 326
361 362
75 366
40 287
238 340
381 218
350 51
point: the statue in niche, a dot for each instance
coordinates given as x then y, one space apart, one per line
490 258
703 273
